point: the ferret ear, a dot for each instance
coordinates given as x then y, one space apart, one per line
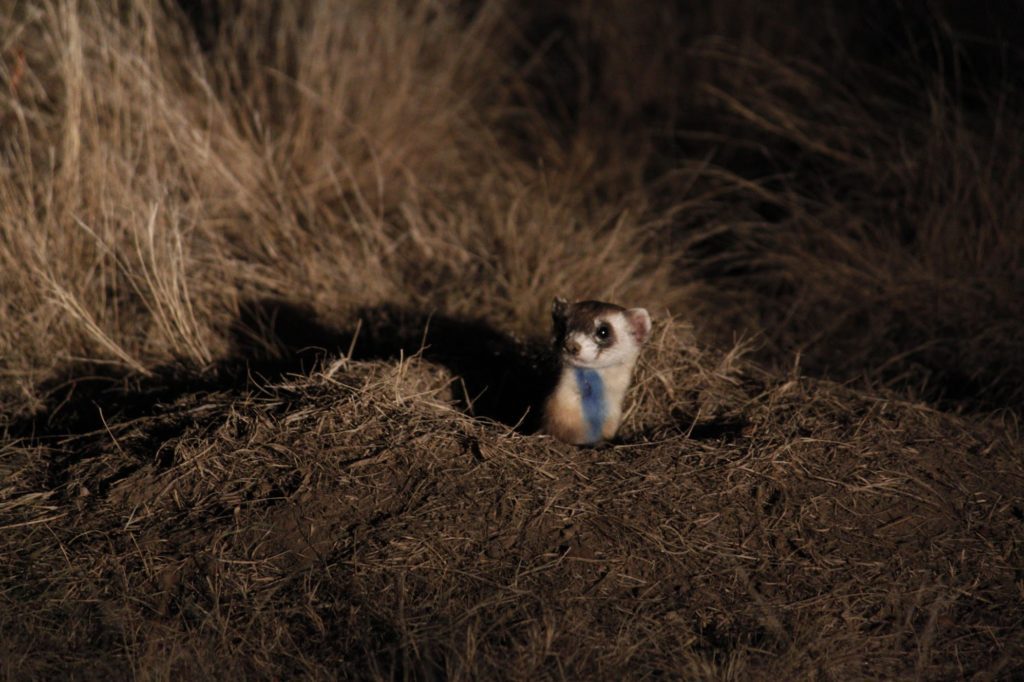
559 309
640 323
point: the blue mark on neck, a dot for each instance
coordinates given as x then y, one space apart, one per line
592 401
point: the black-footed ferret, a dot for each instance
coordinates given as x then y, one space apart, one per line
599 344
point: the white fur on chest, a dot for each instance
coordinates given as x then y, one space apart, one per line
564 416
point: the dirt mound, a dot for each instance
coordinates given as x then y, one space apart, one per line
351 521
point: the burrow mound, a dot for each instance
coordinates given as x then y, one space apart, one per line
351 520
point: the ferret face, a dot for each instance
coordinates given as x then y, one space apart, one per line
596 335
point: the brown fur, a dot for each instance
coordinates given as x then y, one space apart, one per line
563 417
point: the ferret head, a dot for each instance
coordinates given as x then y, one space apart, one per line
597 335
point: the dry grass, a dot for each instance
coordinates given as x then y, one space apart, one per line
186 489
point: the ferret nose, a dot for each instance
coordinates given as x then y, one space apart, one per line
571 347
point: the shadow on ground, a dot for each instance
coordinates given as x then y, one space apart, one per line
497 376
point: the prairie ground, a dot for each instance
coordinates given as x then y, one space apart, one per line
274 298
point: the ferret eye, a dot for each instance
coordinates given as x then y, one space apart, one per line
604 330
